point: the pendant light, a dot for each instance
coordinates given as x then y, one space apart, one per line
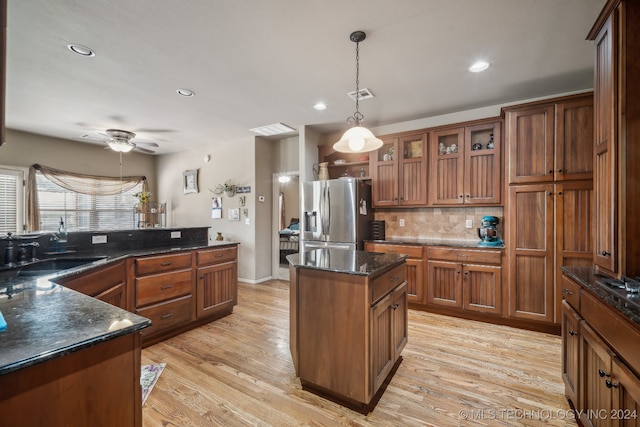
358 139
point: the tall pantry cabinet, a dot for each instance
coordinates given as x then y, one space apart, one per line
617 138
549 154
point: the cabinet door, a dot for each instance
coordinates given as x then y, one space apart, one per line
444 286
446 168
400 320
217 288
412 171
625 386
385 174
605 130
595 370
382 351
116 295
574 139
530 134
483 166
415 280
482 288
530 244
574 228
571 352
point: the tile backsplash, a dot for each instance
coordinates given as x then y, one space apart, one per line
437 223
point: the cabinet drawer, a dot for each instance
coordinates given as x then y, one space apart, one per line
464 255
167 315
411 251
216 256
622 337
158 264
571 292
382 285
162 287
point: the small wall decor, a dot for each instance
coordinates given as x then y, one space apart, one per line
190 181
241 201
216 207
227 189
234 214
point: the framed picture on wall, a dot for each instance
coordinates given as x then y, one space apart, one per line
190 181
234 214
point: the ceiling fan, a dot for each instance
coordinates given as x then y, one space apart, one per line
120 140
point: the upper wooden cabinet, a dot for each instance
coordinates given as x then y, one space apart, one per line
550 140
400 171
465 165
3 66
617 132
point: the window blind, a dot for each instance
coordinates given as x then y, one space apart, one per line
10 185
83 212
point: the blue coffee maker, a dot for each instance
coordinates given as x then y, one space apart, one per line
488 233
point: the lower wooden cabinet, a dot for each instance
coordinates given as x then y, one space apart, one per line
599 350
216 283
465 279
415 266
108 284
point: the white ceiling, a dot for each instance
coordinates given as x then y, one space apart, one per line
258 62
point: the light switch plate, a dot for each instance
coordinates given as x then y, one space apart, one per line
176 234
469 223
401 222
99 239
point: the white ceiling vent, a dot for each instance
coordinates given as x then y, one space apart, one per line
274 129
364 94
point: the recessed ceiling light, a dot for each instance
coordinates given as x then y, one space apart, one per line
320 106
81 50
274 129
186 92
479 66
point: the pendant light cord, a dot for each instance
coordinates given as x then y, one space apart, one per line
357 117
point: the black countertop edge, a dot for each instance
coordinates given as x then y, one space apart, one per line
628 305
43 357
465 244
346 261
35 234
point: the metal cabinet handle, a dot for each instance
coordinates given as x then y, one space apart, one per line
603 373
605 253
166 263
395 306
609 384
219 255
166 316
573 333
567 291
393 279
551 171
165 287
201 277
559 170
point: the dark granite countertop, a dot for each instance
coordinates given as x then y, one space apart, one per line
627 304
46 320
346 261
435 242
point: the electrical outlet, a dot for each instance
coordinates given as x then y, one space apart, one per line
98 239
401 222
176 234
469 223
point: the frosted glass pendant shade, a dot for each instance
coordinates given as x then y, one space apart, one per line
358 139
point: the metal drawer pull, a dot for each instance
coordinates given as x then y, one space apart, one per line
165 287
166 316
164 264
573 333
393 279
609 384
603 373
605 253
567 291
394 306
219 255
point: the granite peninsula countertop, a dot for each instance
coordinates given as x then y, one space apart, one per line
628 304
433 241
346 261
46 320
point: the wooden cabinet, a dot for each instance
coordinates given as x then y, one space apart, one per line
164 291
617 153
400 171
601 355
216 284
550 140
3 67
415 266
465 279
465 165
108 284
375 310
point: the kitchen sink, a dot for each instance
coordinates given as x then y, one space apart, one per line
49 266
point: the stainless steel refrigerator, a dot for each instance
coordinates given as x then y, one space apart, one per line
335 213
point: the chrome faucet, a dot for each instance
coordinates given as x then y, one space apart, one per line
23 256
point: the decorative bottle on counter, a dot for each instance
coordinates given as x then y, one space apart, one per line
219 236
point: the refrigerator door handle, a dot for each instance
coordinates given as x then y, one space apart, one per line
327 212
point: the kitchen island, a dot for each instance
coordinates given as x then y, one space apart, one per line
348 322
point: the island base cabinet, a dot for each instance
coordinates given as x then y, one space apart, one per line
96 386
217 283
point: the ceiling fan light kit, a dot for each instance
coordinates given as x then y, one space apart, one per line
358 139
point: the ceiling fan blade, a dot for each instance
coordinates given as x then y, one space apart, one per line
144 150
148 144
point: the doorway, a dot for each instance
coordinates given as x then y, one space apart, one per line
286 224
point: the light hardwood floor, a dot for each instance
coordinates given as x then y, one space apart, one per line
237 371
